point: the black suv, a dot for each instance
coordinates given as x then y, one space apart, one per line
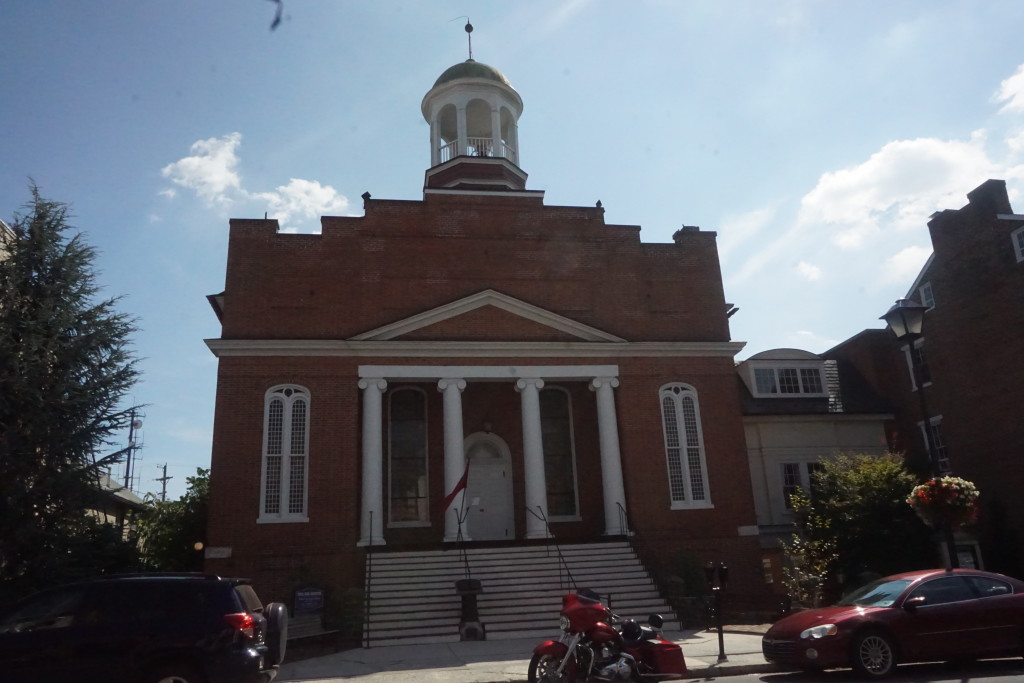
144 628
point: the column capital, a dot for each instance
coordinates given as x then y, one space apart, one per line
599 382
522 384
445 384
377 382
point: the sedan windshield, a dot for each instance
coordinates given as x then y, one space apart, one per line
880 593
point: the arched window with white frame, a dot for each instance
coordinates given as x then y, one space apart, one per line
285 475
684 447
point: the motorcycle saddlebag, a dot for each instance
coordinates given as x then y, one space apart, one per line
667 658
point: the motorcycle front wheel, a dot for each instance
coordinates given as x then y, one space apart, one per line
544 669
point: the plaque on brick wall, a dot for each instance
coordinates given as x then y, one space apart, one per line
309 600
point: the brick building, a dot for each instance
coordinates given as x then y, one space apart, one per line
972 367
584 377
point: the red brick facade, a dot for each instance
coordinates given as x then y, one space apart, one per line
482 292
404 258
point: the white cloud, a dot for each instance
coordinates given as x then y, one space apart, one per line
1011 92
811 272
904 266
302 200
1015 142
805 339
564 13
899 187
210 171
737 231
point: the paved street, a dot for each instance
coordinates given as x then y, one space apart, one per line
991 671
506 661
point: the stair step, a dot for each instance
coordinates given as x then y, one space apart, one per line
523 586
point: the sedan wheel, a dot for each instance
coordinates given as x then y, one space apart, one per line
874 655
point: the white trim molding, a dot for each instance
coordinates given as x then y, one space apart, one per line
223 348
487 297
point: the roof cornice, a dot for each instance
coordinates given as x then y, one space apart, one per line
224 348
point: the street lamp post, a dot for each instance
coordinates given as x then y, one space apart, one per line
718 577
906 320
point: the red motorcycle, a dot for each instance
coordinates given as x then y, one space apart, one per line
593 649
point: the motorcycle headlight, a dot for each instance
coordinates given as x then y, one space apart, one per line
563 623
820 631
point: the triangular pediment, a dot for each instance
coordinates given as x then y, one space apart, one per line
488 308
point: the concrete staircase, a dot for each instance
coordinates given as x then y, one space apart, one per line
412 596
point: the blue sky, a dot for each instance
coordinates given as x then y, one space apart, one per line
815 137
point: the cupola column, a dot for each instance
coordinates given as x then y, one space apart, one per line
462 131
497 148
435 142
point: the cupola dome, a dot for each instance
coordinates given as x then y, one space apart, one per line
473 112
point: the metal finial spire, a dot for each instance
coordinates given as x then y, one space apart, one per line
469 36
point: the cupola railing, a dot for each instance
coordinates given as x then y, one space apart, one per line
477 147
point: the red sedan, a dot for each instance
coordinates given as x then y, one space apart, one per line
931 615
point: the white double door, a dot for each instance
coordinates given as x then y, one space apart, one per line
489 500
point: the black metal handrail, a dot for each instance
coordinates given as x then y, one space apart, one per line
366 586
623 520
539 514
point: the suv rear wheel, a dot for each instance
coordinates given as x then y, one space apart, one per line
175 673
277 632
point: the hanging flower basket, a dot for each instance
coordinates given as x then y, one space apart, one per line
945 501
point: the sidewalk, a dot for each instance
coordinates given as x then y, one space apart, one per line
505 661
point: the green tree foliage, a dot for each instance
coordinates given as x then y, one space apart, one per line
170 530
811 554
856 524
65 366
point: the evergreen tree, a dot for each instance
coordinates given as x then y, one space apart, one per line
65 367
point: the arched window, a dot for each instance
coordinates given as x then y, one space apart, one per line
559 459
407 457
283 487
684 447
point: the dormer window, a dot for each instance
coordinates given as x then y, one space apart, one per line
927 297
1018 243
779 381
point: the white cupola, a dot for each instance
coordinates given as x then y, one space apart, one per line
473 112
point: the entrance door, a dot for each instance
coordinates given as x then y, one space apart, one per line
489 489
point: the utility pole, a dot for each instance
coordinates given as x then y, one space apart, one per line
163 482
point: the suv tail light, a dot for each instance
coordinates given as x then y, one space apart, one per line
243 623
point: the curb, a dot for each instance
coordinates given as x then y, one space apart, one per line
737 670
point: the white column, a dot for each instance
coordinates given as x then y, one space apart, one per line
372 526
615 523
461 131
435 141
514 135
533 458
496 150
454 455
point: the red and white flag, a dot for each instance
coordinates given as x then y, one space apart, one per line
455 491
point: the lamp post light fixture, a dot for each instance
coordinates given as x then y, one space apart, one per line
906 320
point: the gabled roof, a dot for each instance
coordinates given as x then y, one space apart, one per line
488 297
